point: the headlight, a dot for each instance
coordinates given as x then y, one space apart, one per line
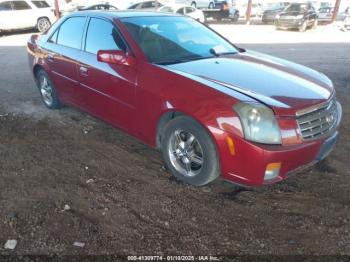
300 16
259 123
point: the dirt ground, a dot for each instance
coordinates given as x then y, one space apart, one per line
123 202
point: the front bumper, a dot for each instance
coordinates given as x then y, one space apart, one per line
268 18
288 24
248 165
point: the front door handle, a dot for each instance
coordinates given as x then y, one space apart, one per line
50 57
83 70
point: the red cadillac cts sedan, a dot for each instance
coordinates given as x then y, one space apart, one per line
210 107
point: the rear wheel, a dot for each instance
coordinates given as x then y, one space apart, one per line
43 24
189 152
47 90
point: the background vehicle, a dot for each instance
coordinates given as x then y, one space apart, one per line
98 7
184 10
325 14
23 14
256 10
206 120
146 5
346 24
344 19
270 13
198 3
297 16
222 10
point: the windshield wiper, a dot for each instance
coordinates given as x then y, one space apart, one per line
213 51
182 60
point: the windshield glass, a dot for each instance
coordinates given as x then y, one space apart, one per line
169 40
296 8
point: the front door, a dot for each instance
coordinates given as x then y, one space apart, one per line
108 89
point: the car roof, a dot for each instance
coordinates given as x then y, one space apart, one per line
176 6
121 13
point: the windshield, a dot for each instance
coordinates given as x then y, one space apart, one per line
296 8
169 40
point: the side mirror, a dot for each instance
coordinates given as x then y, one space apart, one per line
117 57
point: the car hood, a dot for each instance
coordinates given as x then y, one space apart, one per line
294 13
273 11
285 86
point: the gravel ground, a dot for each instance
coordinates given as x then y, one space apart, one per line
122 201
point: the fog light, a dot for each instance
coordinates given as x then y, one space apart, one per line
272 171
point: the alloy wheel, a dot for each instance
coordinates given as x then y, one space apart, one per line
186 153
46 90
43 24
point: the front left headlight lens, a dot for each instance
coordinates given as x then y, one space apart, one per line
259 123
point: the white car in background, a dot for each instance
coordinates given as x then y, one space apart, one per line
23 14
184 10
197 3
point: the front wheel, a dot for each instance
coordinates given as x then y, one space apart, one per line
43 24
235 17
189 152
303 26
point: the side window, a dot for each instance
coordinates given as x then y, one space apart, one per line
53 38
148 5
189 10
167 9
20 5
102 35
40 4
181 11
71 32
5 6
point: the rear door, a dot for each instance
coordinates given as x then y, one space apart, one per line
64 51
108 89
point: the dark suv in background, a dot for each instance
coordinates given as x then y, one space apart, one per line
273 10
297 16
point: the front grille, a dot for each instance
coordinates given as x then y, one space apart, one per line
316 122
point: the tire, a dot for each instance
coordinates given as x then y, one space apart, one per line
235 17
189 152
47 90
303 27
211 5
194 4
43 24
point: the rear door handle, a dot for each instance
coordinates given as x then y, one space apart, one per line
83 70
